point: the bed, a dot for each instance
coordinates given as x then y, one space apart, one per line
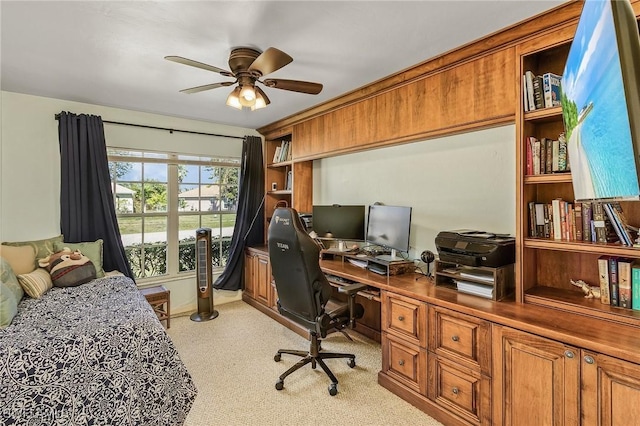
91 354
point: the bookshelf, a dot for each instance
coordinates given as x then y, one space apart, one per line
287 182
545 266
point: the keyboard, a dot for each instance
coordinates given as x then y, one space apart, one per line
339 280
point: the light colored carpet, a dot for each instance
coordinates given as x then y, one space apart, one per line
231 361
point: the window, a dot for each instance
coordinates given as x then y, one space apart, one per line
162 198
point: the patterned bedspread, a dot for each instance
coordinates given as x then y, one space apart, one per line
93 354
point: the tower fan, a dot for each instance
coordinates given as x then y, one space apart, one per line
204 278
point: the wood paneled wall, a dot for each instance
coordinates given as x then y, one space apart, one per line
469 88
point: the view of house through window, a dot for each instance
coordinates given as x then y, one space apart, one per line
161 199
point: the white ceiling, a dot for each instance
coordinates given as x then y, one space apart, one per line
111 52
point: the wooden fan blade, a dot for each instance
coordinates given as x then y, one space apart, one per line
192 63
294 85
270 60
207 87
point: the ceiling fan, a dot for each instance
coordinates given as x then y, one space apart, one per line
248 66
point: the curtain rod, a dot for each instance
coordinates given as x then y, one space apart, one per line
57 117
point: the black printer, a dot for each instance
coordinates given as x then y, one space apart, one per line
476 248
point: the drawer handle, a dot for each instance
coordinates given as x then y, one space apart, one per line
568 354
455 338
401 362
400 318
589 359
455 391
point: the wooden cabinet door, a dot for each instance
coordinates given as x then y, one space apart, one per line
610 391
249 280
263 280
536 381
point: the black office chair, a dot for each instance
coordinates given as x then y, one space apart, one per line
303 293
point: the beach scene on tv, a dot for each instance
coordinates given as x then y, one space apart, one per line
594 109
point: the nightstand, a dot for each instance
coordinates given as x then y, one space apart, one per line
160 300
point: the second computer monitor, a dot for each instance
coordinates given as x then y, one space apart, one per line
338 222
389 226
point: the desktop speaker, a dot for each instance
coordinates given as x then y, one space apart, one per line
204 277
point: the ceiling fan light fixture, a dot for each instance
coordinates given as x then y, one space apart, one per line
233 99
261 100
247 96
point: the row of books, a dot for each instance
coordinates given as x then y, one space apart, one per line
540 91
619 280
547 155
283 152
581 221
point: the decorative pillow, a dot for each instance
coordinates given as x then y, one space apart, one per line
69 268
93 250
10 293
22 258
36 283
42 248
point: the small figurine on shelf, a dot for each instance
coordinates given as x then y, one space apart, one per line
589 291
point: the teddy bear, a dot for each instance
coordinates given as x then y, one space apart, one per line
68 268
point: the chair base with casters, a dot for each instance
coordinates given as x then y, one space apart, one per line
315 356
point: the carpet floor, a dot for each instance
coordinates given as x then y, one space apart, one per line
231 361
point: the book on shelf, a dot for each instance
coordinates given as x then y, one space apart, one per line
525 96
599 222
529 77
535 149
624 283
551 89
635 285
276 154
614 284
289 182
563 154
557 225
603 279
549 158
586 221
539 207
577 211
538 96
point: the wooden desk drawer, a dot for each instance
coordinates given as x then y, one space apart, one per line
405 318
460 337
460 390
404 362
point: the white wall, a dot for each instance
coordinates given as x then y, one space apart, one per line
30 164
454 182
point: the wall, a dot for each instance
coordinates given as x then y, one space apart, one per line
30 165
454 182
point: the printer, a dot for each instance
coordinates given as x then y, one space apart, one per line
476 248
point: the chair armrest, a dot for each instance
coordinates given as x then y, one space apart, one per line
351 289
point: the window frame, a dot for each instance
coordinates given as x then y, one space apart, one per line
172 161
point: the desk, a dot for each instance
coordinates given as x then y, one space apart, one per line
450 353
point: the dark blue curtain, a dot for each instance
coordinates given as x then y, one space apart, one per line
249 229
87 211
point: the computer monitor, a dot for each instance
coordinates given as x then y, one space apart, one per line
389 227
342 223
601 102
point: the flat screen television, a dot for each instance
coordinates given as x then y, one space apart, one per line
601 102
343 223
389 227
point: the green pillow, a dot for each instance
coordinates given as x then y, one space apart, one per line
42 248
93 250
10 293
